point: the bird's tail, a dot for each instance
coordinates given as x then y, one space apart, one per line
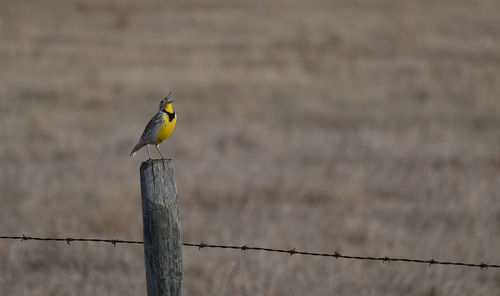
137 147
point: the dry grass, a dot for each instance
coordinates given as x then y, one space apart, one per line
368 127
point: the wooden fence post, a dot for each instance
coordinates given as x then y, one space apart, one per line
162 229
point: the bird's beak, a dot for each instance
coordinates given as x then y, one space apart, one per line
167 99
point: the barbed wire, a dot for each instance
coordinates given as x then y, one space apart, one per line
291 252
68 240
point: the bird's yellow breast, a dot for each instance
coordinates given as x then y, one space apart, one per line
166 128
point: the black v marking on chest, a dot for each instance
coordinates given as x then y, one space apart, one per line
171 116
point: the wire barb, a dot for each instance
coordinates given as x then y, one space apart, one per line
291 252
431 262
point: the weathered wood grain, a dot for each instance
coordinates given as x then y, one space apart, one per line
162 229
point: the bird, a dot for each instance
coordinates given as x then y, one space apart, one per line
158 128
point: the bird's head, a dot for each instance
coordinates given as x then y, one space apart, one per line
166 103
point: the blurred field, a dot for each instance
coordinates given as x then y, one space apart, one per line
367 127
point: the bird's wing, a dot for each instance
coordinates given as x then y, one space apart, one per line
148 135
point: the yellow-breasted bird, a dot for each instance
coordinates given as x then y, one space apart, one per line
158 128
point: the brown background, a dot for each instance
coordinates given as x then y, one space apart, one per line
366 127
